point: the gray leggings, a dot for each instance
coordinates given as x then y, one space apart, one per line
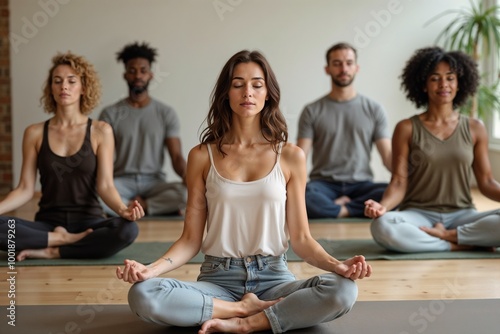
399 230
168 301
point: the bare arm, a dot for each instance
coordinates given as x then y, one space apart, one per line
189 243
26 188
103 141
396 190
481 165
385 151
303 244
175 151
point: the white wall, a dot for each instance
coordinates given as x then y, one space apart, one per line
196 37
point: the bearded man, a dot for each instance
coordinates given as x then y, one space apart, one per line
341 129
143 128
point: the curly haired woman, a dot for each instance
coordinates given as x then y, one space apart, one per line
74 155
434 156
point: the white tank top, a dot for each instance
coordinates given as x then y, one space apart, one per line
246 218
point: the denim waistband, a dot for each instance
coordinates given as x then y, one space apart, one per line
248 260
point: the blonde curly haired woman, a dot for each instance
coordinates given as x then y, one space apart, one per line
74 155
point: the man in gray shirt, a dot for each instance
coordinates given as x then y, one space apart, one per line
143 129
341 128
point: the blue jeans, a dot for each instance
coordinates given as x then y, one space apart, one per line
168 301
400 230
161 197
321 194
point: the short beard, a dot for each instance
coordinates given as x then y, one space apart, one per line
342 83
138 90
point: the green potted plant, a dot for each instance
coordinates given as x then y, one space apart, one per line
476 30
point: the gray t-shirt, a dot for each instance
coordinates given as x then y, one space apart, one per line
343 134
140 135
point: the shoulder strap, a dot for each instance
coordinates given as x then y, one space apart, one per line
209 148
280 147
46 129
89 125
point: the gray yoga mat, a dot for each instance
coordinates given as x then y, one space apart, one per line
374 317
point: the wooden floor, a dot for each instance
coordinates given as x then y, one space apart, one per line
391 280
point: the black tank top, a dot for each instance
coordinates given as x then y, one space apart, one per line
68 183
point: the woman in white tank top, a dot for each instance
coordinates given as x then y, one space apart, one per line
246 189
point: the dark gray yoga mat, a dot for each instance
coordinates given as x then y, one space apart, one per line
385 317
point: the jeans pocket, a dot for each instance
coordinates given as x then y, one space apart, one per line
278 266
210 267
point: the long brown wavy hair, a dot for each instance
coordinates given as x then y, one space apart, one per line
219 118
91 84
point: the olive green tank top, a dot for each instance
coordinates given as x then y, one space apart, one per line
439 171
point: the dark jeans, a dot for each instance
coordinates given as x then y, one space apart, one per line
321 194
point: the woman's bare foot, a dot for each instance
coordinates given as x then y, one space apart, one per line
439 231
233 325
60 237
249 305
252 304
455 247
45 253
255 323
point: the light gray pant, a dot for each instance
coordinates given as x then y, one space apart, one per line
161 197
167 301
399 230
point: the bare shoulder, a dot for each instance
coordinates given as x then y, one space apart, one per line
477 129
293 160
198 155
36 128
403 130
293 153
101 127
476 124
101 131
34 132
404 125
198 161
